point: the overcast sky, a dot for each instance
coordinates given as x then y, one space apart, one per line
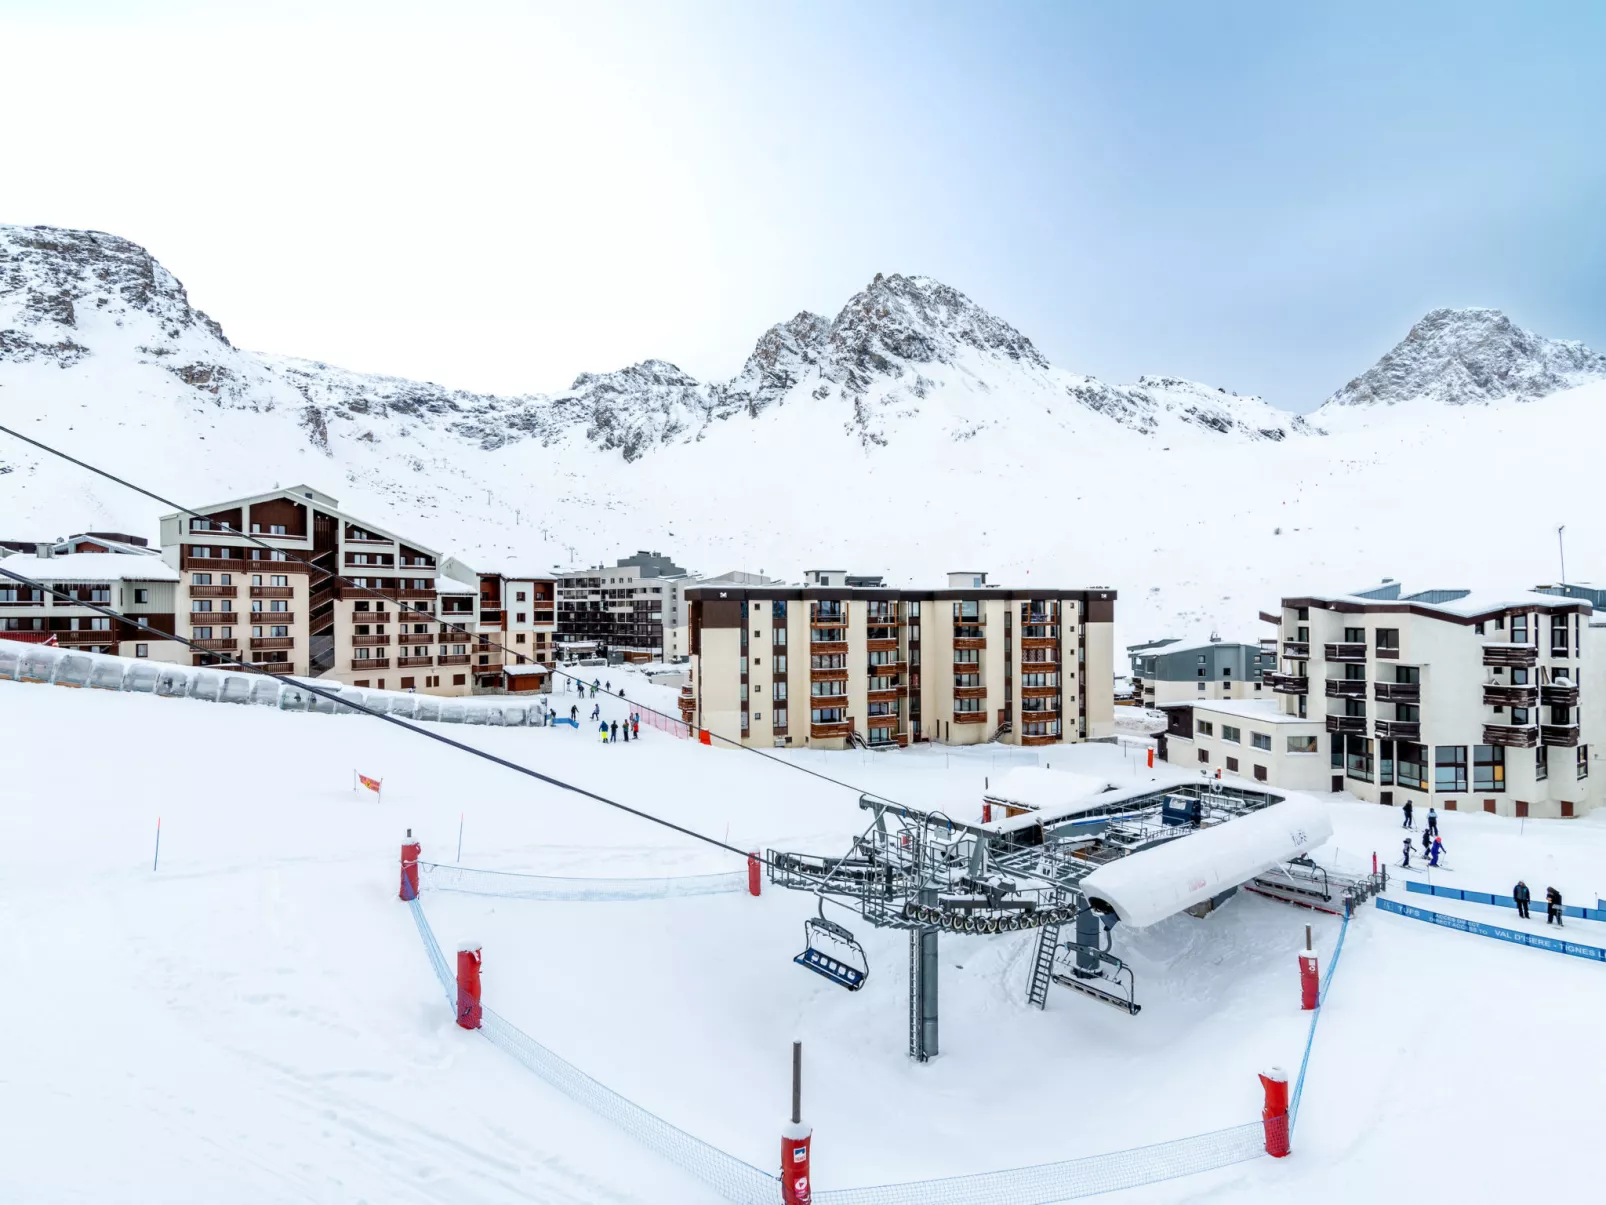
500 196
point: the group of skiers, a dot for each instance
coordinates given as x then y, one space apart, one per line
1432 844
610 731
1521 895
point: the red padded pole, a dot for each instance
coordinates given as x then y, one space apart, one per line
754 884
797 1138
468 986
409 867
1274 1117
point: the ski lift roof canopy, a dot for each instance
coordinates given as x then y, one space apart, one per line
1146 792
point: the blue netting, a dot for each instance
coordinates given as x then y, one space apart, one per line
441 877
1310 1038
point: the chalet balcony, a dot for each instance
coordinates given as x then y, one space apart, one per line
826 732
217 592
1289 684
1038 717
828 675
410 592
1039 642
970 717
415 638
211 646
1520 737
1039 692
1347 723
260 592
970 642
272 642
1520 655
454 660
825 648
414 662
1398 730
369 641
272 616
1495 695
819 619
890 695
1559 696
1397 692
362 663
1298 650
1558 734
970 692
886 644
1346 688
967 667
1344 651
1042 739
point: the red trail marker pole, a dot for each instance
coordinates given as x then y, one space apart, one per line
796 1140
1310 981
409 867
468 986
1274 1117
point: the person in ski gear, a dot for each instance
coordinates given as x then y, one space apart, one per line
1433 822
616 730
1521 895
1552 906
596 712
1435 851
574 713
621 692
604 729
627 732
1407 823
636 724
1407 860
1427 842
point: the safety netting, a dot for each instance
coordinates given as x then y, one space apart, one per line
440 876
741 1182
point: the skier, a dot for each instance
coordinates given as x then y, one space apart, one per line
1407 862
596 712
574 714
1433 822
621 692
608 686
636 724
627 732
616 730
604 730
1552 906
1437 849
1521 895
1407 823
1427 842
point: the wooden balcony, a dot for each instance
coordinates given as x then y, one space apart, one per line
891 695
267 592
1523 737
272 642
457 660
1495 695
825 648
1558 734
92 636
1346 688
1039 692
1520 655
1559 696
970 642
1037 642
967 667
217 564
1043 739
828 675
1298 650
369 641
1398 730
415 638
1344 651
970 692
888 645
1038 717
1347 723
1397 692
271 616
829 621
414 662
970 717
410 592
362 663
211 646
826 732
1289 684
216 592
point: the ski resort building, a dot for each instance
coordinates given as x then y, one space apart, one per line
1177 671
1443 697
236 597
117 572
827 663
516 629
622 610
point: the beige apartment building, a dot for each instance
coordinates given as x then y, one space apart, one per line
516 614
117 572
827 663
1446 698
238 598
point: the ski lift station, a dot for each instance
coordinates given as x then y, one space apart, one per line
1058 852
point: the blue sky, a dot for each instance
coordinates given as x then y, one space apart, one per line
1262 197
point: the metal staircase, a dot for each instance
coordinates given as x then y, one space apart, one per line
1048 939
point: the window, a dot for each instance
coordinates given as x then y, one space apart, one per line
275 579
1260 740
1388 639
1358 758
1519 715
142 596
144 650
1450 767
1558 635
1541 764
1206 728
1385 763
200 604
459 679
1204 755
1302 744
778 692
200 579
1232 764
1201 671
1488 767
279 630
966 705
1355 635
1410 766
1583 761
1519 677
1229 733
519 597
778 663
200 633
1519 629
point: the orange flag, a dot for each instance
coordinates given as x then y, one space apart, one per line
371 783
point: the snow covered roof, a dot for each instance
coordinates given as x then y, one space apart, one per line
91 567
1203 646
1476 602
450 585
515 671
1039 788
1262 711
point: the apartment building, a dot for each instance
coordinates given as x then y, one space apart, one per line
1177 671
517 626
827 664
110 570
1444 697
238 598
622 610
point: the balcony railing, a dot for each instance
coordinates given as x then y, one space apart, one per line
1346 688
414 662
211 646
369 641
1289 684
1495 695
1299 650
828 675
1523 737
1039 642
823 732
1344 651
1522 655
415 638
1397 692
453 660
970 692
272 616
970 717
272 642
1398 730
216 592
264 592
370 663
828 647
1346 723
1558 734
1559 696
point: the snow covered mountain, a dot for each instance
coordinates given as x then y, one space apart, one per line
1459 357
909 433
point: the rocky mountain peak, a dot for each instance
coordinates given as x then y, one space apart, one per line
1461 356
